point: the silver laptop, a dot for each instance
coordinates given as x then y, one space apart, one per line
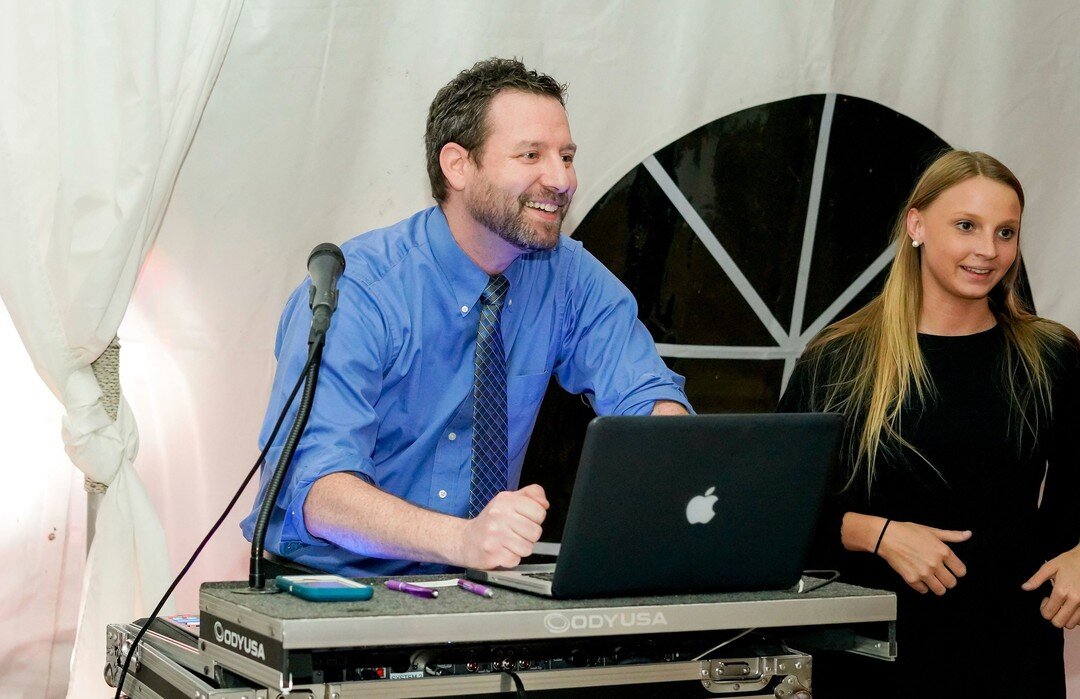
697 503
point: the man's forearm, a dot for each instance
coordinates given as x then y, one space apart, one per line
357 516
668 407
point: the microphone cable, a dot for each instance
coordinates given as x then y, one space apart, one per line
220 520
833 576
800 589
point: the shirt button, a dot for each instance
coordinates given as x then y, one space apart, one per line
452 436
464 309
442 494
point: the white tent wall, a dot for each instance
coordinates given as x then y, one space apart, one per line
99 104
44 525
314 133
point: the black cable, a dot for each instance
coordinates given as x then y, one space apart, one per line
228 508
725 642
256 580
518 684
834 575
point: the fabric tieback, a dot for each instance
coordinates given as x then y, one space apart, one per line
489 440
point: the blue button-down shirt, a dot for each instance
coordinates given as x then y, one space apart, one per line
394 397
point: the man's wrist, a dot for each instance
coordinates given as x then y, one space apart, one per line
668 407
450 544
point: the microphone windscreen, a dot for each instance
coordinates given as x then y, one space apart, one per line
326 248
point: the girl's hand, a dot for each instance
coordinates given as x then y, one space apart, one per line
922 557
1062 607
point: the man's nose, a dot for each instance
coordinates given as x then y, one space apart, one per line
558 175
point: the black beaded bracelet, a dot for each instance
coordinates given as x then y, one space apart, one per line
881 535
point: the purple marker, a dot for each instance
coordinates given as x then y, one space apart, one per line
414 590
475 588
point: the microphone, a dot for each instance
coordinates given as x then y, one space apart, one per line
325 265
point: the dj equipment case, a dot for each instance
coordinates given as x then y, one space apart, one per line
265 646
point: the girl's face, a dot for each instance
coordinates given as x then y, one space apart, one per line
969 237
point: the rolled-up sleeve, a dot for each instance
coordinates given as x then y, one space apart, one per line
606 353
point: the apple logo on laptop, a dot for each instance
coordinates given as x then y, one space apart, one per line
700 508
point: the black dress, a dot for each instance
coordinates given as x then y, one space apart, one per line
985 637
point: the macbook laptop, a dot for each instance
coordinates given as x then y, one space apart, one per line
696 503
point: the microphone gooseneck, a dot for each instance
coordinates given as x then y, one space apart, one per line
325 266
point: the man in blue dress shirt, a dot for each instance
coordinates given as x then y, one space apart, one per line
381 481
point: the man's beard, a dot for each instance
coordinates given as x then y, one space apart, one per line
505 217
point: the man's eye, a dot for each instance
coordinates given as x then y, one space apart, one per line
531 156
568 159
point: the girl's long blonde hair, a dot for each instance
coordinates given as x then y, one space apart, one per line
875 365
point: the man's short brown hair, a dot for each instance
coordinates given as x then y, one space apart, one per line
458 114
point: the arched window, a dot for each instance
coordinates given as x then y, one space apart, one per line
741 240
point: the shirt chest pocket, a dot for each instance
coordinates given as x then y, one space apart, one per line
524 393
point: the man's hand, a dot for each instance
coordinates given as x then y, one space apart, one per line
506 530
922 557
1062 607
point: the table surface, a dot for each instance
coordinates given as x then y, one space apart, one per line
396 618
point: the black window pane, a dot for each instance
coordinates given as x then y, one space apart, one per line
748 176
731 385
683 296
875 156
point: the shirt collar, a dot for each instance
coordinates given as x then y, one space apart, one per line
467 281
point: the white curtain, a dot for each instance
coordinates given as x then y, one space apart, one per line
100 101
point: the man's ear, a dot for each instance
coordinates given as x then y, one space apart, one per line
455 164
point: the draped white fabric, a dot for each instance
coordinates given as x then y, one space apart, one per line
43 552
101 101
313 133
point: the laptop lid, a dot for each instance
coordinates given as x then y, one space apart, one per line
694 503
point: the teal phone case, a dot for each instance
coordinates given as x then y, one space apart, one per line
326 588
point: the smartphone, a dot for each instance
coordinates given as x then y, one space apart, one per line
324 588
